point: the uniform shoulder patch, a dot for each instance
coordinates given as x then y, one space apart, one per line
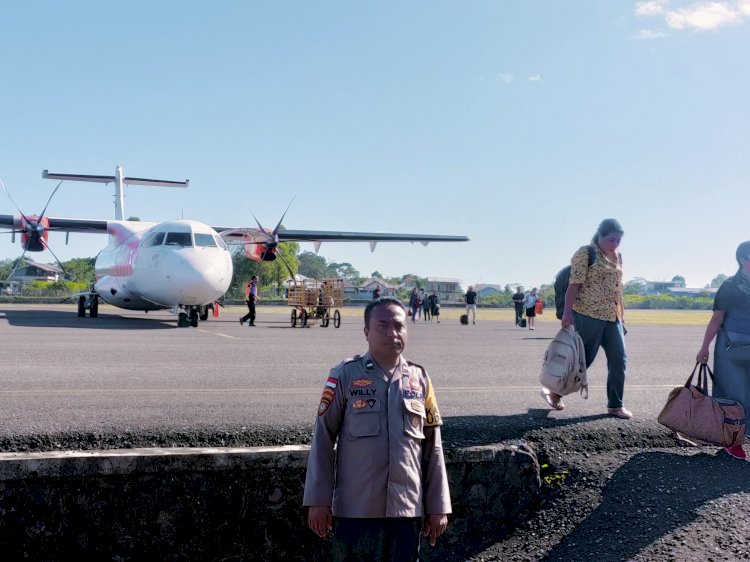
411 364
352 359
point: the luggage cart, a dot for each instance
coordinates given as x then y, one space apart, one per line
314 301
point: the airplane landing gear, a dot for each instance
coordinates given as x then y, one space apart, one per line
182 320
189 315
203 311
90 303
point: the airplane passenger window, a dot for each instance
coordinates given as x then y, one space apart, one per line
157 239
183 239
204 240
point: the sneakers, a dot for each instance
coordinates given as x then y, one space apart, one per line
622 413
736 452
553 400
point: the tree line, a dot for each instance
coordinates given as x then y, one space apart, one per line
273 275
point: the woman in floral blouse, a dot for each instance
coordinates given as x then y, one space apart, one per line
593 304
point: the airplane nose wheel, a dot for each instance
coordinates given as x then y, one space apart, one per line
91 303
188 316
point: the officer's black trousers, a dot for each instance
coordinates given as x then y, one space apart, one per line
251 311
393 539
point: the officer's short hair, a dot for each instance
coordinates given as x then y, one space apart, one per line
743 252
383 301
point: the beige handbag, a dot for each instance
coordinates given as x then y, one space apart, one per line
692 412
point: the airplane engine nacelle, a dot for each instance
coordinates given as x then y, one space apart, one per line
258 252
34 238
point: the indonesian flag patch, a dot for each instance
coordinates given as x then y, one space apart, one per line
329 393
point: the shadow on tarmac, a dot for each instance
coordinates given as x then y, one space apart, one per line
485 430
652 495
69 319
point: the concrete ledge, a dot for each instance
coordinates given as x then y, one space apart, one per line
218 503
57 464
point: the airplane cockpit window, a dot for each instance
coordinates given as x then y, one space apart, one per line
220 242
156 240
204 240
183 239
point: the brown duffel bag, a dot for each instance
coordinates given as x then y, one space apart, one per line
692 412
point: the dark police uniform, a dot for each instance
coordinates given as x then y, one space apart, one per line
389 458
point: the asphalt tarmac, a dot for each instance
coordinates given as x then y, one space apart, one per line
132 372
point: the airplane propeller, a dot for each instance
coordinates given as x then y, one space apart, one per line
272 241
34 229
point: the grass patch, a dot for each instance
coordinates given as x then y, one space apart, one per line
632 316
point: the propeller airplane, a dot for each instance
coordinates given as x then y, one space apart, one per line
179 264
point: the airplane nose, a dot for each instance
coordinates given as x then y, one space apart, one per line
190 276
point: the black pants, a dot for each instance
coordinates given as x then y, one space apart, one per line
251 311
393 539
519 311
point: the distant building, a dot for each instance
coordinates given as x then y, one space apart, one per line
487 290
675 288
448 288
408 282
653 287
34 271
369 285
350 289
692 292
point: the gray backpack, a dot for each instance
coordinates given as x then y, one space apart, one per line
564 367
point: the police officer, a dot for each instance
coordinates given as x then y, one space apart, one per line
387 479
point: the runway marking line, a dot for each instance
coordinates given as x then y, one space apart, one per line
220 334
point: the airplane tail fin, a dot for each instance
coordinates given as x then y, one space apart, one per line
119 179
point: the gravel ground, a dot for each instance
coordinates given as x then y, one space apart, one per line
622 495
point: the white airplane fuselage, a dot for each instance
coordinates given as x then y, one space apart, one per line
151 266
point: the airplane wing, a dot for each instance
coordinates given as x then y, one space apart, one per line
268 239
12 222
244 235
340 236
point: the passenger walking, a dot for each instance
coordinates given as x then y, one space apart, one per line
435 306
470 299
420 300
385 479
530 305
518 300
730 324
251 297
426 309
413 304
593 303
376 292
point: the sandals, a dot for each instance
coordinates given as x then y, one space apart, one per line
622 413
553 400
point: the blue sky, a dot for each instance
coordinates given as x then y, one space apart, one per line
519 123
